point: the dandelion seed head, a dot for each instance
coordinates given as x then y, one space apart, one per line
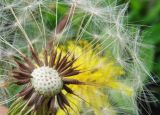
46 81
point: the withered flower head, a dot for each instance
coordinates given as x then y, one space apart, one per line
45 79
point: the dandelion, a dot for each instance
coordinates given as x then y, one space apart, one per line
77 63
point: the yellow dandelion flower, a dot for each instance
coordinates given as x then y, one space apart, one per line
101 73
